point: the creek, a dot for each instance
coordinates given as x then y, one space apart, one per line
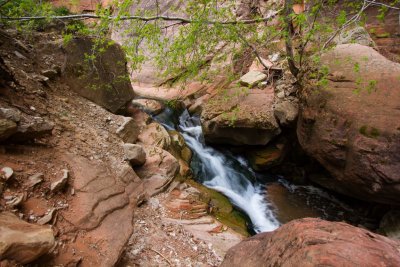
268 201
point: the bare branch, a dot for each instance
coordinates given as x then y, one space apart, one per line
353 19
382 4
154 18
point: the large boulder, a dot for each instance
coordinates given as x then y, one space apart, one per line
21 241
155 134
100 215
315 242
352 126
102 79
129 130
240 116
159 170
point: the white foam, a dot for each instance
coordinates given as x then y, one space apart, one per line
225 179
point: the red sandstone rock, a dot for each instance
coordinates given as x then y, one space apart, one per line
240 116
352 127
315 242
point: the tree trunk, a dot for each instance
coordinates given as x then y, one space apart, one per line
288 11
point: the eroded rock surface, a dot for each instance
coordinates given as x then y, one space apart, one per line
240 116
159 169
101 212
155 134
314 242
352 127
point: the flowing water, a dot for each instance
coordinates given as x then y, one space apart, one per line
226 174
232 176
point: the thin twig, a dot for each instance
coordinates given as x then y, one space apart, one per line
170 264
382 4
366 4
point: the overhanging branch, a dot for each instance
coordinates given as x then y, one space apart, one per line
154 18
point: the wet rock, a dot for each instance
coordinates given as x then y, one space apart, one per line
21 241
286 112
240 116
314 242
10 114
159 170
103 80
267 157
155 135
218 205
128 131
390 224
151 106
6 173
7 128
60 183
34 179
184 169
353 129
179 147
134 154
252 78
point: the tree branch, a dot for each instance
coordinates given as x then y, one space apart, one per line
154 18
381 4
353 19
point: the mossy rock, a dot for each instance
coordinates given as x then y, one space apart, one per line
222 209
186 154
267 157
178 146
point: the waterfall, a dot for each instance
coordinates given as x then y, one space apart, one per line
227 176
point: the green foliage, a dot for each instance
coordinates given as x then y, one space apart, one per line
28 8
61 11
184 50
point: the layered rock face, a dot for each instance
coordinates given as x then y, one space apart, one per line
352 126
240 116
315 242
104 79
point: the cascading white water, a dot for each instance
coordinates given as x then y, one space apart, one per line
222 177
